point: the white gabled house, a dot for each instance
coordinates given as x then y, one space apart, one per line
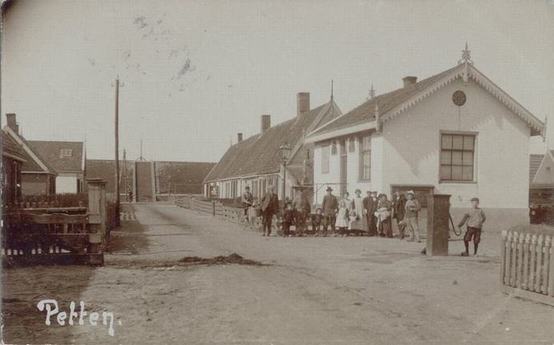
454 133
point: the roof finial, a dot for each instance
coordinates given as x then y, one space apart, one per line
371 93
466 56
331 89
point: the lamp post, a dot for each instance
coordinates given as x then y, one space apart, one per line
284 151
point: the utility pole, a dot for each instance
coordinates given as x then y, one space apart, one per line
117 204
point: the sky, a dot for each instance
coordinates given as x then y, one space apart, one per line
195 73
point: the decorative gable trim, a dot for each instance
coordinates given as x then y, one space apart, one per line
468 71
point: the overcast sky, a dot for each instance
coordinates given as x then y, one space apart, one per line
197 72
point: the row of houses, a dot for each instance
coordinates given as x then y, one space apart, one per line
42 168
455 132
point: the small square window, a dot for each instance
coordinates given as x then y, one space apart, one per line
66 153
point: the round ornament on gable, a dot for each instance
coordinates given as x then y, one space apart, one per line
459 98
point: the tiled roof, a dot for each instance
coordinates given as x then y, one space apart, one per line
33 159
105 169
385 102
51 152
181 177
259 154
534 164
9 146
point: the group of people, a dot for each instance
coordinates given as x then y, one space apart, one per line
372 214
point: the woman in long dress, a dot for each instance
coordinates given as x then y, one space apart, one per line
384 208
358 222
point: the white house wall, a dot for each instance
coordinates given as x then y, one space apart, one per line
412 146
66 183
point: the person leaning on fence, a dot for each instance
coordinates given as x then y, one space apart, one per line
330 207
269 207
411 216
473 220
247 200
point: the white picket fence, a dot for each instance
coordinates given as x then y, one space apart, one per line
527 265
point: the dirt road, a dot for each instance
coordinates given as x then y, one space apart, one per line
353 290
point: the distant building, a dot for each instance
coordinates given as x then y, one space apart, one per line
256 162
453 133
148 180
541 178
67 159
38 177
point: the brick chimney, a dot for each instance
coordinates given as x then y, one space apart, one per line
265 123
302 102
409 80
11 122
239 137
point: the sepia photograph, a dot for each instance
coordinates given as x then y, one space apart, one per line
277 172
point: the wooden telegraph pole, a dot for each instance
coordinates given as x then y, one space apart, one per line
117 204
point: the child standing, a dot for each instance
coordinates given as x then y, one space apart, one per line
316 221
474 220
288 218
342 218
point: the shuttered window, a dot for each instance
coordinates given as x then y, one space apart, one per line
365 157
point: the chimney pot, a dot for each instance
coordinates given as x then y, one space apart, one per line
302 102
239 137
265 123
12 122
409 80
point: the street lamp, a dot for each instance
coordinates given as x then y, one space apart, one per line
284 151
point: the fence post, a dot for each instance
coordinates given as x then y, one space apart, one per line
551 270
213 207
97 219
503 256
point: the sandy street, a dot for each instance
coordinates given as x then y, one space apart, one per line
353 290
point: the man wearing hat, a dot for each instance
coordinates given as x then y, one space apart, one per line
370 206
411 215
330 207
269 206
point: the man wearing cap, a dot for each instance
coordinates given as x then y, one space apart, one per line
399 208
269 206
330 207
474 220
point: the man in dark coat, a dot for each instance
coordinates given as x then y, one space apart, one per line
399 205
269 206
302 208
330 207
370 206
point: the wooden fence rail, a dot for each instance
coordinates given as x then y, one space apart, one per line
527 265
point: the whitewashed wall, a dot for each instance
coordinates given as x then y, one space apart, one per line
66 183
411 148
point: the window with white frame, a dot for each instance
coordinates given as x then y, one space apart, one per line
365 157
457 160
325 153
66 153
